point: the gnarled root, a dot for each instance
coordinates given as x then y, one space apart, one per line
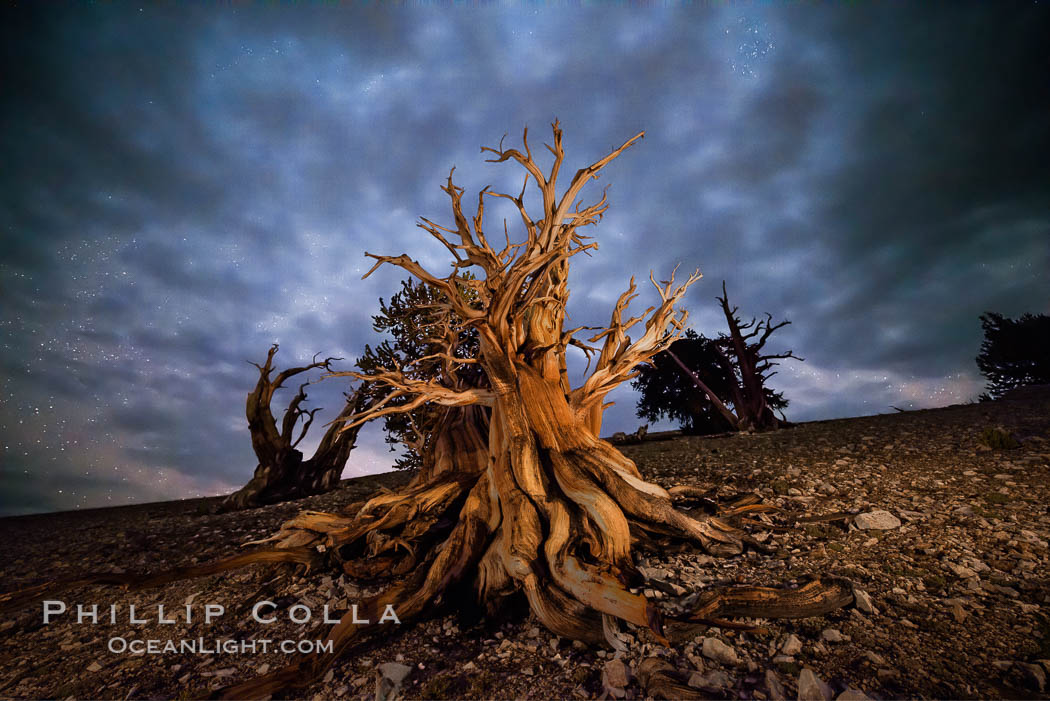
554 524
815 598
460 554
660 680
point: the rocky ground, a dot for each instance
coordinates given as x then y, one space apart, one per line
944 537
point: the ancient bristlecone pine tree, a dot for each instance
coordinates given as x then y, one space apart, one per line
282 473
519 495
421 331
748 370
752 367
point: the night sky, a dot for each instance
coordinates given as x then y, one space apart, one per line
183 186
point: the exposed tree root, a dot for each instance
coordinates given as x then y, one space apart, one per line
815 598
558 546
555 524
518 495
660 680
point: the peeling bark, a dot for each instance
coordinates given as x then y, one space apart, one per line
519 495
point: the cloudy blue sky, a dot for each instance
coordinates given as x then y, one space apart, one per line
183 186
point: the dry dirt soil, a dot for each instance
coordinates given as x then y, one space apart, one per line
959 591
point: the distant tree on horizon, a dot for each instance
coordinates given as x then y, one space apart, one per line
1014 353
730 371
669 390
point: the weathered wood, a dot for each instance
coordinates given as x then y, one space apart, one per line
753 412
815 598
661 681
282 473
518 493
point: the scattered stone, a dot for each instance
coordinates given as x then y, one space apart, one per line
852 695
615 677
227 672
1033 539
833 635
1006 591
811 688
774 687
875 658
877 520
718 651
863 602
962 571
715 681
388 685
94 667
791 646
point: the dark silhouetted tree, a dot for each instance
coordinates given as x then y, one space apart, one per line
1015 352
282 473
751 367
673 386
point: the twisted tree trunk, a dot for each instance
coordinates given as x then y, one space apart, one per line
749 396
282 474
536 503
518 495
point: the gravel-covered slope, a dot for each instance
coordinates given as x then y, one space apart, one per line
959 591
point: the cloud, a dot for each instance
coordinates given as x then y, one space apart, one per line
184 187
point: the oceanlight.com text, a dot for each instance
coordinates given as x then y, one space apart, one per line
203 646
